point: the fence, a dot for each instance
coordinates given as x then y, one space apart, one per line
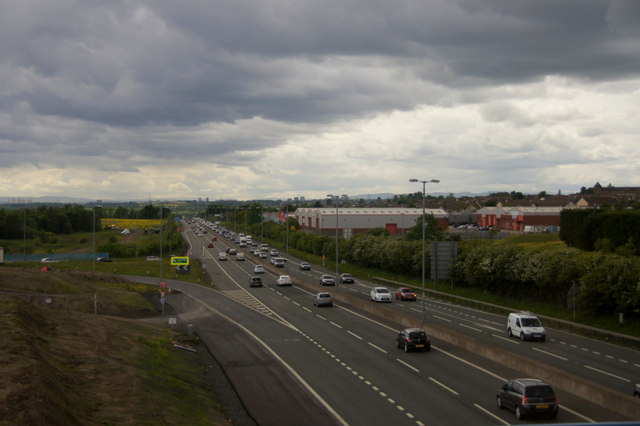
58 257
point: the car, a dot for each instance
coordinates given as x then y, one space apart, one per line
413 339
255 281
210 245
284 280
327 280
406 293
345 279
380 294
636 390
305 266
528 397
104 259
153 258
214 238
258 269
263 255
322 299
526 326
232 252
278 262
222 256
274 252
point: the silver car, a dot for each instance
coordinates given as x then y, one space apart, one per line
380 294
323 299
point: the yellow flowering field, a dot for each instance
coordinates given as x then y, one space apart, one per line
130 223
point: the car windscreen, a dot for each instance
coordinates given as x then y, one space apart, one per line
382 290
531 322
417 335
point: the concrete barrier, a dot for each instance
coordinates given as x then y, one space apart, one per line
584 388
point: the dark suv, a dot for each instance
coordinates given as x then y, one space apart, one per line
413 338
528 397
255 281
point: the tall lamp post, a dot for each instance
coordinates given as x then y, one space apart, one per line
337 236
424 182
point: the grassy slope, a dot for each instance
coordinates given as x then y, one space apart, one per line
62 364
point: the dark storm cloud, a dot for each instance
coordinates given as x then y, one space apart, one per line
183 63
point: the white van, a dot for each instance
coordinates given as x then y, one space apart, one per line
239 256
526 326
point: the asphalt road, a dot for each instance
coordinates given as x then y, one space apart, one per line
336 365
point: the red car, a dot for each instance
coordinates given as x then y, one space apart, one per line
214 238
210 245
405 293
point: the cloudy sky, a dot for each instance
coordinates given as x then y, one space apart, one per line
138 99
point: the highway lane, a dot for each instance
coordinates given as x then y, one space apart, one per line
477 323
610 365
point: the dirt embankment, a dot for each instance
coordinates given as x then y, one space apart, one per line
62 364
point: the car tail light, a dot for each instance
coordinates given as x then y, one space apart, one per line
525 400
428 339
409 339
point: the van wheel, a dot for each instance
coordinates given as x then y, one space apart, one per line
509 333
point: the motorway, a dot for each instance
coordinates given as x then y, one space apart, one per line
348 363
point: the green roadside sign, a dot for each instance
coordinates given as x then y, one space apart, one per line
180 260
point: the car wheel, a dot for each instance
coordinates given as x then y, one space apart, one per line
519 415
509 333
428 349
522 336
554 414
406 347
500 405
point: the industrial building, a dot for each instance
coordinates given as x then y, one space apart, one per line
357 220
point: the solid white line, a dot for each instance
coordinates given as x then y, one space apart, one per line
407 365
508 339
293 372
577 414
484 410
550 354
354 335
443 386
608 374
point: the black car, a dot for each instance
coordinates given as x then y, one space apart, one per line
413 338
345 279
256 282
528 397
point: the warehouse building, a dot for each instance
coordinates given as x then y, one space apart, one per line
357 220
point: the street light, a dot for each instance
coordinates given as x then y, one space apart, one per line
424 182
337 206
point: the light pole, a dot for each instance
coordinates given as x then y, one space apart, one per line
424 182
337 236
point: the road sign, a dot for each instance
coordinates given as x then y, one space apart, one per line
162 300
180 260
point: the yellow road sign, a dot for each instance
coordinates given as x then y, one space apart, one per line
179 260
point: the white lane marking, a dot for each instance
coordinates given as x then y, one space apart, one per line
443 386
550 354
293 372
575 413
469 327
354 335
608 374
377 347
489 413
508 339
307 309
334 324
441 318
407 365
321 317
